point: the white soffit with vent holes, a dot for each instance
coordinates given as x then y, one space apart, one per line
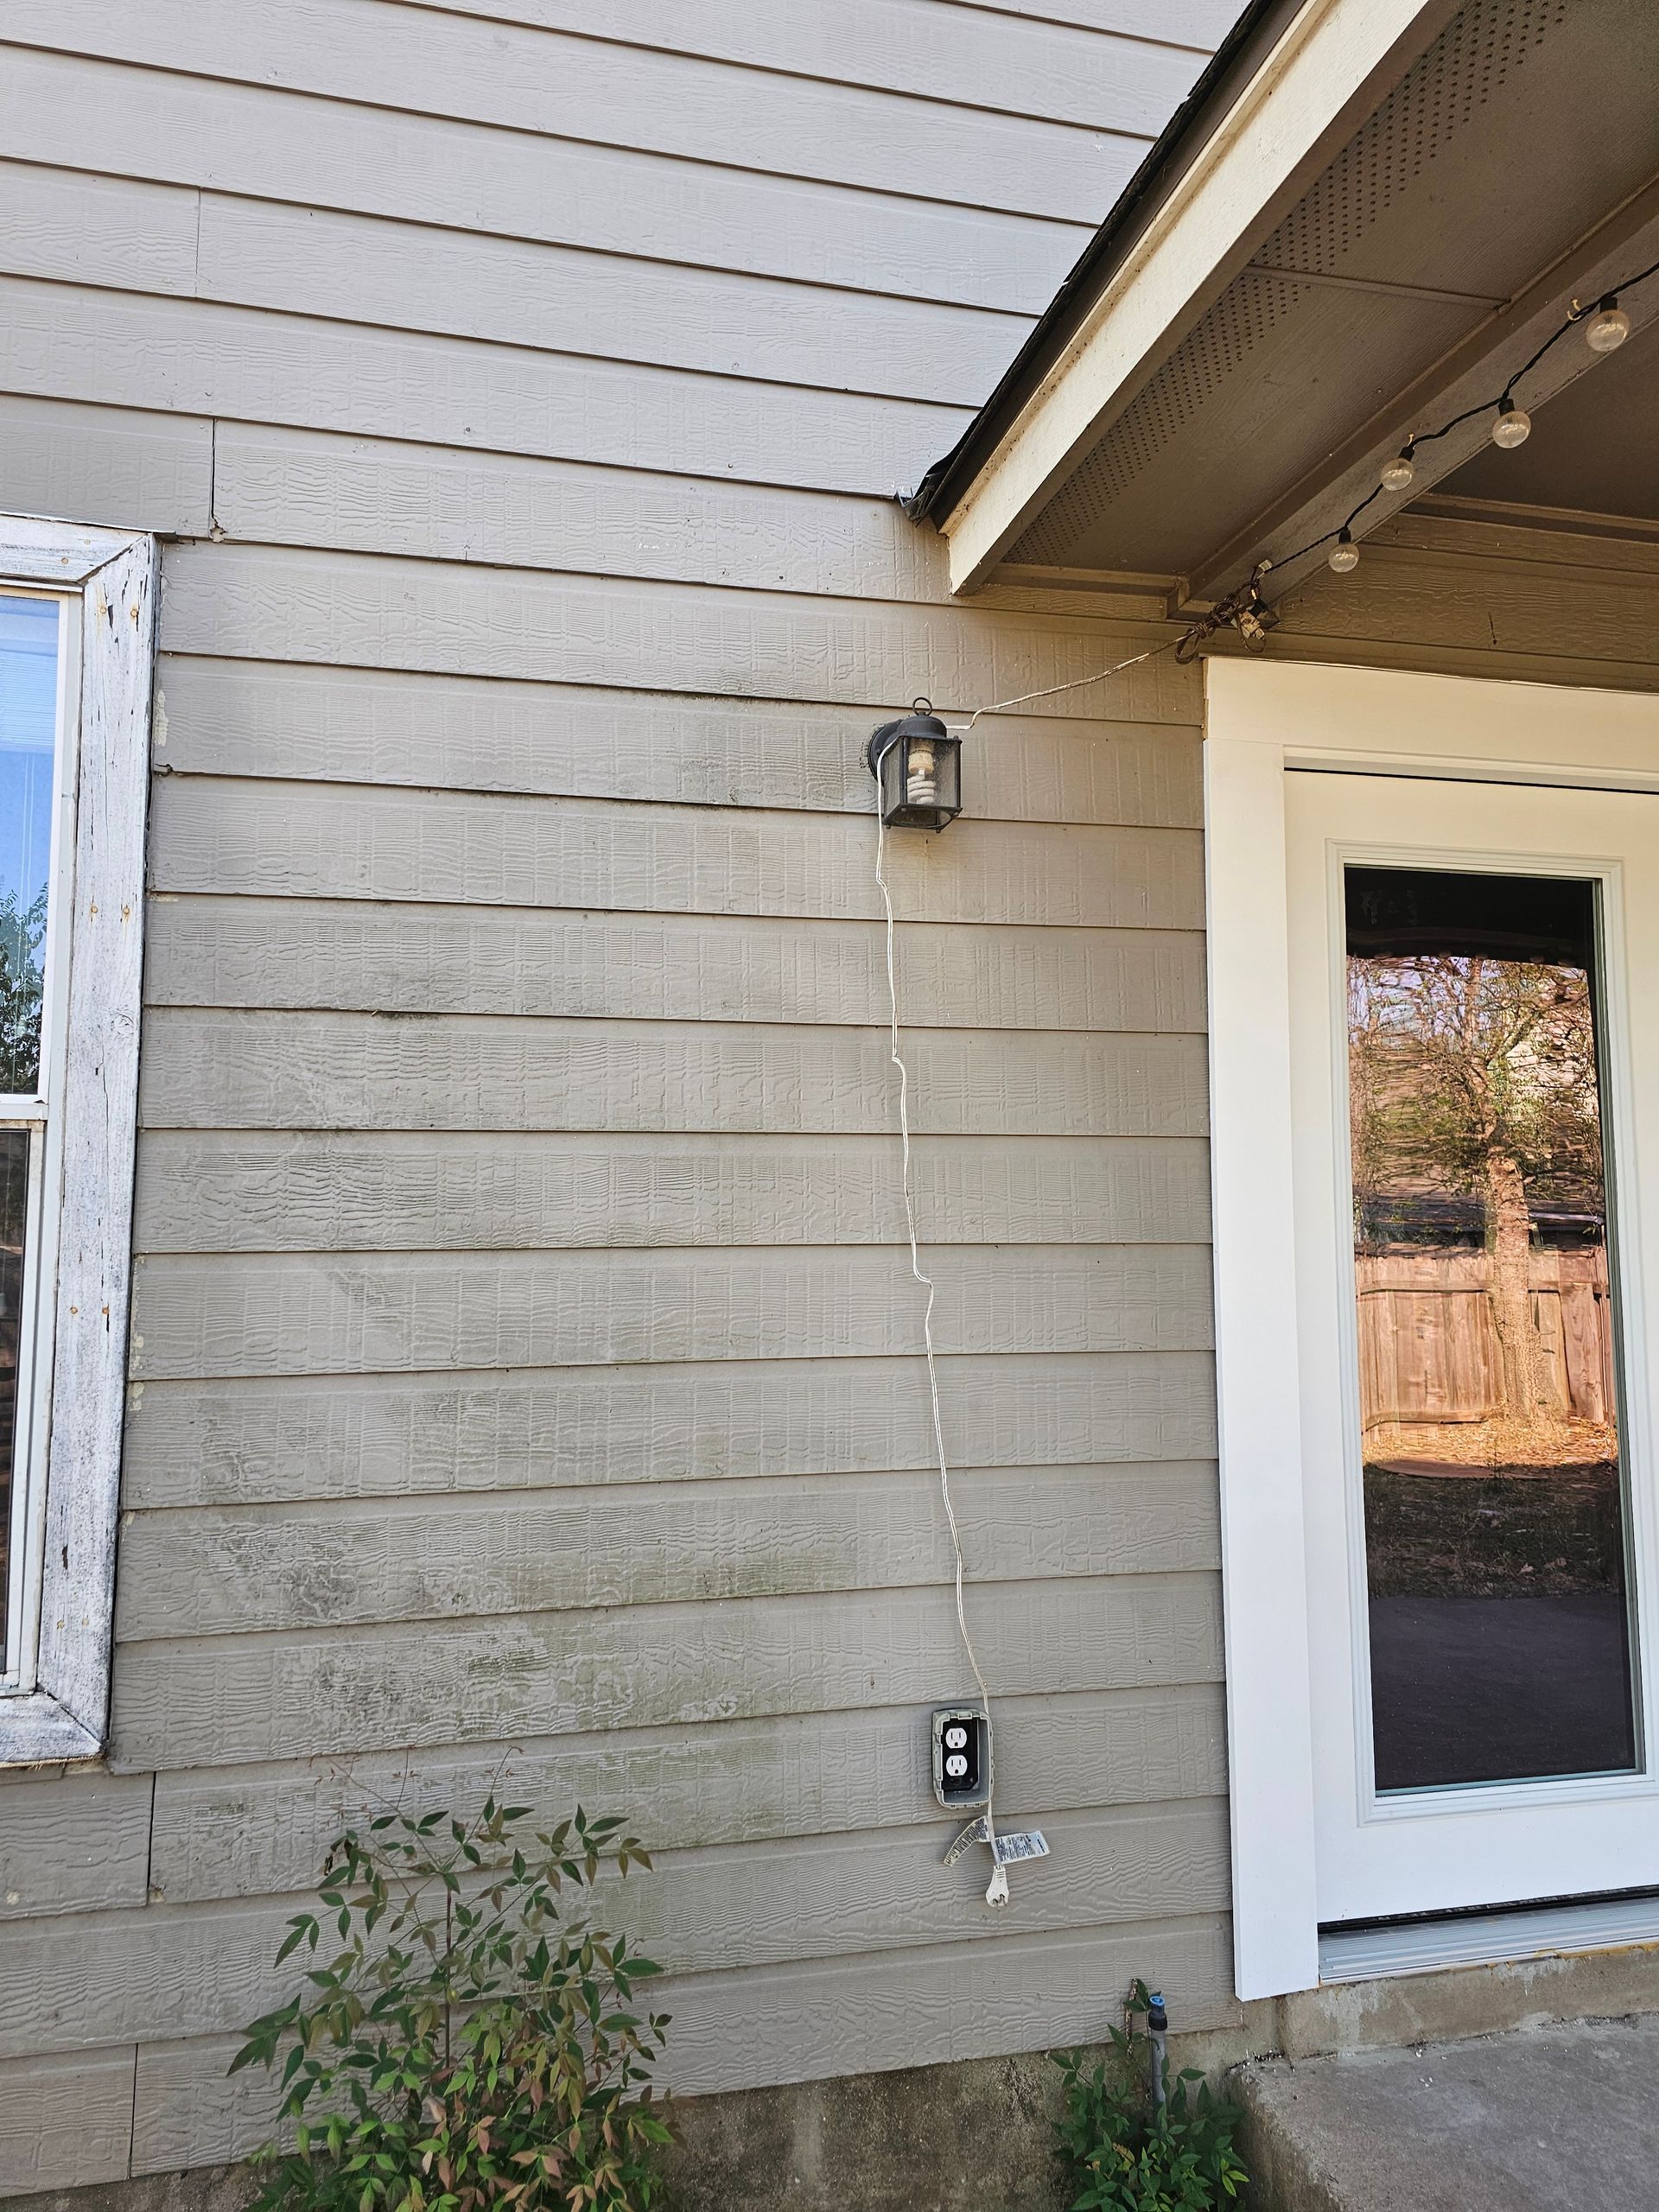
1503 171
1333 52
1512 165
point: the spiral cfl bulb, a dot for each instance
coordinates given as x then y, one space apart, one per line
1398 472
1608 327
1513 427
1345 554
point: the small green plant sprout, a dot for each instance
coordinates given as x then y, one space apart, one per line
463 2048
1129 2153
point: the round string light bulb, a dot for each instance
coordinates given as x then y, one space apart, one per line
1608 327
1345 554
1513 427
1398 472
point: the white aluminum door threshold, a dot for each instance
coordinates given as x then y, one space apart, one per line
1486 1938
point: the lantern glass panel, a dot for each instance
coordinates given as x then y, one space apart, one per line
921 777
932 778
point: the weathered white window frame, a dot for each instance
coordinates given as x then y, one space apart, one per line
1262 719
59 1708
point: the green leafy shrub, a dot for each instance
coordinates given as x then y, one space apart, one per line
463 2048
1129 2154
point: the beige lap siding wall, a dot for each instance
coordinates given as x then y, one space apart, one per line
524 1350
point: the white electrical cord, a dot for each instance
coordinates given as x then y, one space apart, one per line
998 1893
1075 683
1000 1880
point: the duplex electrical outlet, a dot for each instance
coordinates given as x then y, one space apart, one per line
962 1757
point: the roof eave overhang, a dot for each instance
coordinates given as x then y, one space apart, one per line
1326 70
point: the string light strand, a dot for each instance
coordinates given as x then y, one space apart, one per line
1243 608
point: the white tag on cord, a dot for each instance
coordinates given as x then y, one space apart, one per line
1020 1843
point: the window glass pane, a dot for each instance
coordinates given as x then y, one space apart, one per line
29 707
1493 1485
14 1194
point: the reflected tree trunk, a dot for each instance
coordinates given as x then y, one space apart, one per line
1508 1238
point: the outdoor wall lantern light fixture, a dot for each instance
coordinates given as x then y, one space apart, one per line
916 765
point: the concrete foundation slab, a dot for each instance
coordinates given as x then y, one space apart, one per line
1536 2120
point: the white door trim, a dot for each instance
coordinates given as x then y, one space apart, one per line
1262 718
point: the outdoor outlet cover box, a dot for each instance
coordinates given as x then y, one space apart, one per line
962 1757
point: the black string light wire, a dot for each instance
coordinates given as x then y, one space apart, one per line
1245 610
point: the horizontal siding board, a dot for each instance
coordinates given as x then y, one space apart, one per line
762 1904
190 2108
931 2006
73 226
77 226
66 2123
110 465
359 956
72 1843
1559 661
207 1070
333 841
1202 23
264 1830
352 725
217 1571
186 1970
1518 619
215 1701
939 162
404 275
924 47
159 1971
293 1313
117 349
237 1442
1198 23
1497 542
442 617
385 1193
432 503
795 2023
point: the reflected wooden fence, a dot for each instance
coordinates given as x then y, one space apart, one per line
1429 1347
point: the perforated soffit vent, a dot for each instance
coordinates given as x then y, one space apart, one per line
1444 91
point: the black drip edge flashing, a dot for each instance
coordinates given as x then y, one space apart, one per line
1207 104
1516 1908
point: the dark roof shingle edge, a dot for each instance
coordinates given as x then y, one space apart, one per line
1234 63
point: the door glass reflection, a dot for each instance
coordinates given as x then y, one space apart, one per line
1494 1506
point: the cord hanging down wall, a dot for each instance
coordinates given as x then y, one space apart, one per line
916 764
